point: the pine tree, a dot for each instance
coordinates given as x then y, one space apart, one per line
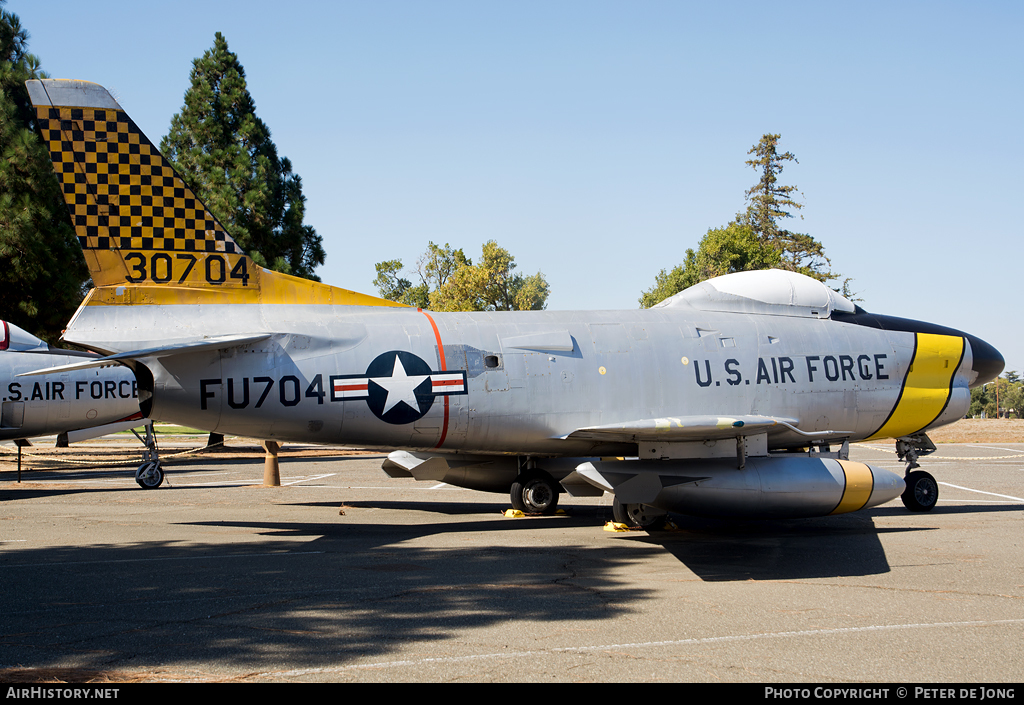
768 203
42 270
754 239
224 152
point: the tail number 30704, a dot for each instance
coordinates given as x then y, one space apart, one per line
161 268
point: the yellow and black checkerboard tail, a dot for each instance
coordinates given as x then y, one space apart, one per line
147 238
135 218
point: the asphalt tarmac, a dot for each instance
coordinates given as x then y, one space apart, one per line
344 574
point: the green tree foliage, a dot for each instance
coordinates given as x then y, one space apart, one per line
224 152
1008 390
390 284
754 239
449 281
734 248
42 270
434 267
1013 402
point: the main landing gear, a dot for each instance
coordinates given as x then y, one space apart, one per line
149 475
642 516
535 492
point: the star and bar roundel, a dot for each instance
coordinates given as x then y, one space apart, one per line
399 387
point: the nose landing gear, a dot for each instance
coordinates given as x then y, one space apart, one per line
922 491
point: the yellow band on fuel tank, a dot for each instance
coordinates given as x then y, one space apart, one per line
859 485
926 387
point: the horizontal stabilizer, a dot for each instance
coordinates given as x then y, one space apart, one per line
225 341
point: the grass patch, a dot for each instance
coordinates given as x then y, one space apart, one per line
171 430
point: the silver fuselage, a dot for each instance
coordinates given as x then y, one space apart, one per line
61 402
531 378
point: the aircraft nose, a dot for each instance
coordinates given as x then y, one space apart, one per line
988 363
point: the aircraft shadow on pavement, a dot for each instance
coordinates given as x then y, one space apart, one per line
358 590
714 550
720 549
587 513
26 491
271 603
827 547
272 595
824 547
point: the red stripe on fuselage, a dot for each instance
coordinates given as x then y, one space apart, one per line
440 351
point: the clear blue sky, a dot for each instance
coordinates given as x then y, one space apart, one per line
598 140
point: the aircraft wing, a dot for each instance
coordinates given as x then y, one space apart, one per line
224 341
85 434
684 428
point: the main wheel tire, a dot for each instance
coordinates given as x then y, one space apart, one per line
642 516
149 475
535 493
922 492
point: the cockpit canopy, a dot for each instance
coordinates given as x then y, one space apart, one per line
18 340
769 291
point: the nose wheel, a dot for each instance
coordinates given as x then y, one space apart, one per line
922 492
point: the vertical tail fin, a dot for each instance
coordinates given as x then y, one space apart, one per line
139 224
125 198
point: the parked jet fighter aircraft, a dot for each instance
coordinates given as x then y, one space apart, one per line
76 404
95 401
705 404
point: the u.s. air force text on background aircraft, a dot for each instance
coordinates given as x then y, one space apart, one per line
80 404
93 389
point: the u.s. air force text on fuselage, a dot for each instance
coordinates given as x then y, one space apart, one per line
774 370
780 370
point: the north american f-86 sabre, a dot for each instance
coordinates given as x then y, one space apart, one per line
736 397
